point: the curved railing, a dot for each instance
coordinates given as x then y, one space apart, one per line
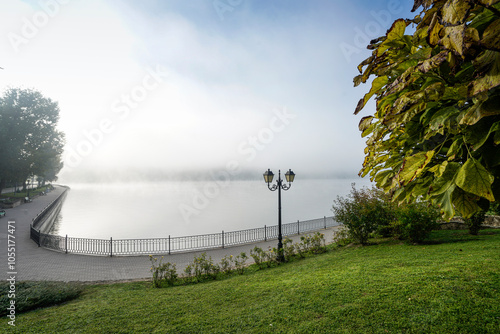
169 245
40 218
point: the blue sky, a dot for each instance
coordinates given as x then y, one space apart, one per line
198 84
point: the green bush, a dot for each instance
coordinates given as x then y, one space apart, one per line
239 262
162 272
474 223
32 295
415 222
363 212
342 238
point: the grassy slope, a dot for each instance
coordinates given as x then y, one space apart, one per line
449 286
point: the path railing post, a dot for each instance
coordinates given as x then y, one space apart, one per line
66 243
324 221
223 239
111 246
298 227
169 244
265 233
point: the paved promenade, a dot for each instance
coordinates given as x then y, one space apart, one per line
37 263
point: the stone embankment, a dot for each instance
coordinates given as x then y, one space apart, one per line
457 223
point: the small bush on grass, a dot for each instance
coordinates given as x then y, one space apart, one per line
203 267
474 223
32 295
362 212
239 262
259 256
226 264
342 238
162 272
416 221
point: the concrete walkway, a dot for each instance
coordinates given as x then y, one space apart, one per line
37 263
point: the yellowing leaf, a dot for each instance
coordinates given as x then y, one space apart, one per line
454 38
433 62
434 31
488 2
394 34
490 79
454 11
465 203
479 110
377 85
365 123
491 36
475 179
413 166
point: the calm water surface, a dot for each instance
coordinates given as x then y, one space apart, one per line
149 210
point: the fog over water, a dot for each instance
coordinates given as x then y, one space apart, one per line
179 208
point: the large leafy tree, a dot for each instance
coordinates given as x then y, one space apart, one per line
30 143
435 134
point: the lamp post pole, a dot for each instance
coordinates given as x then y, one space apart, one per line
268 178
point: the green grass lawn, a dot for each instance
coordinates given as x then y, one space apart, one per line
22 194
450 285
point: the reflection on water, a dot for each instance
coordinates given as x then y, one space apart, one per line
149 210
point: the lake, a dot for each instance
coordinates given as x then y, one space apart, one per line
153 210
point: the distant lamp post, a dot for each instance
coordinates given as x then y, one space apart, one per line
268 178
28 188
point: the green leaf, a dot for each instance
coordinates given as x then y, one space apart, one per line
495 128
477 135
475 179
479 110
455 147
444 201
439 118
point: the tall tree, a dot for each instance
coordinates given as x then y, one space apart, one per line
435 134
30 143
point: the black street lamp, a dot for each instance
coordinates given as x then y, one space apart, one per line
268 178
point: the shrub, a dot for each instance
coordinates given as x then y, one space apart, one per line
240 261
416 221
318 243
474 223
33 295
341 237
288 248
162 272
259 256
271 256
362 212
226 264
204 267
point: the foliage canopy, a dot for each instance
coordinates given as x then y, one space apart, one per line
435 134
30 143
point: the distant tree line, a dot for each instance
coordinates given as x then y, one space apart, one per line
30 144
